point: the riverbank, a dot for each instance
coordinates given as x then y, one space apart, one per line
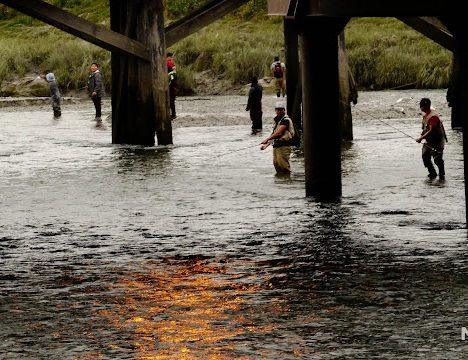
200 111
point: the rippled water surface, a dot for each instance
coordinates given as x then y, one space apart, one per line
198 251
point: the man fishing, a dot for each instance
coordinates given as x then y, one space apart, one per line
281 137
434 133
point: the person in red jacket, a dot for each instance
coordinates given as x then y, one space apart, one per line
170 60
434 134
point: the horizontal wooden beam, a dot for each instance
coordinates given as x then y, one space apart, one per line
380 8
84 29
432 28
200 18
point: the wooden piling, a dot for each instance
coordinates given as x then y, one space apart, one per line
293 73
456 24
348 93
140 90
322 137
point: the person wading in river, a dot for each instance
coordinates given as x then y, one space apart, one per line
254 105
434 133
281 137
96 90
54 94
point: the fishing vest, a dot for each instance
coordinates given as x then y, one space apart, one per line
438 134
284 140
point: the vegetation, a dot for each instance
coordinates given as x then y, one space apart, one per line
383 52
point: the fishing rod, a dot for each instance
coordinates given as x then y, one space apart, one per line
234 151
401 131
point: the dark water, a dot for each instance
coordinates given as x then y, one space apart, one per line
198 251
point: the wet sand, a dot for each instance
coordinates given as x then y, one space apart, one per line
202 111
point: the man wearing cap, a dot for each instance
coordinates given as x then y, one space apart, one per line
281 136
434 133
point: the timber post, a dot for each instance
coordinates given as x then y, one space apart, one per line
348 92
457 26
453 93
140 90
321 117
293 73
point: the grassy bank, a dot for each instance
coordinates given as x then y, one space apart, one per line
383 53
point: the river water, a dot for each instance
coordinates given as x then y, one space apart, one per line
197 251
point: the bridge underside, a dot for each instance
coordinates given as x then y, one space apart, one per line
318 23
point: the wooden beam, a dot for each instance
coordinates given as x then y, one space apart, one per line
432 28
79 27
374 8
200 18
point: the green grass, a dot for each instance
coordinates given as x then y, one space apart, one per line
383 52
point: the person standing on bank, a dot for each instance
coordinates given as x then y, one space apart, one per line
54 94
278 70
283 133
254 105
96 90
434 133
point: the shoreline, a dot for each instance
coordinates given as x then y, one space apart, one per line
228 110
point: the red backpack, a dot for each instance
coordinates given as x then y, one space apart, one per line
278 70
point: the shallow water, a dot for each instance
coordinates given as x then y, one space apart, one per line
197 251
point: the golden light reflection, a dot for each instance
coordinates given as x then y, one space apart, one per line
192 310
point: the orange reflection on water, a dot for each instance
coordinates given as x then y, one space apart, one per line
189 310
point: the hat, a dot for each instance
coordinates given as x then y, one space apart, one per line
50 77
279 105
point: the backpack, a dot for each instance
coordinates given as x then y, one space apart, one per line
278 70
296 135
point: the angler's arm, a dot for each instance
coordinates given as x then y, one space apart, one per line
425 135
276 135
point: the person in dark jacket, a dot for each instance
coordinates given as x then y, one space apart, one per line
254 105
96 90
171 71
54 94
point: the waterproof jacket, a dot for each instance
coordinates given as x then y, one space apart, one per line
254 103
54 91
95 84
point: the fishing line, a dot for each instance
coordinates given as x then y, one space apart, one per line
393 127
234 151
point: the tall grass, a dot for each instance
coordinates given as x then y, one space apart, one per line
231 50
383 52
69 59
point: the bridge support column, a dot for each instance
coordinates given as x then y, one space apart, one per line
453 92
293 74
457 26
347 90
322 135
140 95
